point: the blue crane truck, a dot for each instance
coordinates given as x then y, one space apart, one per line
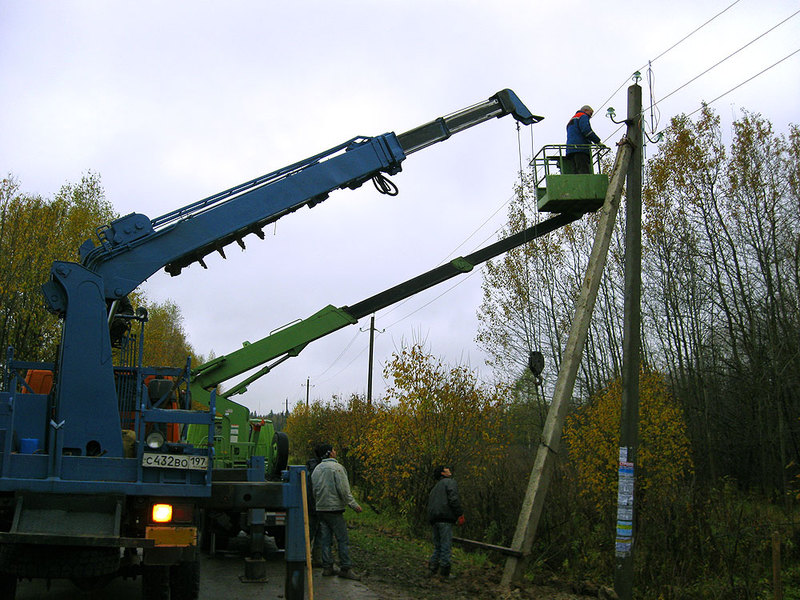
92 486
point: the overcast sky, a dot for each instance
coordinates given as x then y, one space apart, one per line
170 102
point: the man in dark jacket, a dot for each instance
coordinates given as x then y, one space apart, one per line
579 139
444 509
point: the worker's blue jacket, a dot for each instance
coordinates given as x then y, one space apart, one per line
580 134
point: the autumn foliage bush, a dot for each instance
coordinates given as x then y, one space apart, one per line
663 469
664 459
433 414
692 541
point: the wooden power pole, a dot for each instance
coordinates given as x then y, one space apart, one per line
538 483
629 419
371 353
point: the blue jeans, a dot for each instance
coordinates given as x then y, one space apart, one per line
333 525
442 545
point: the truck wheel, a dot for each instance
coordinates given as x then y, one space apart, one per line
184 580
280 453
8 586
155 582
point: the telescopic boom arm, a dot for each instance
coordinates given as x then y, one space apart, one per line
134 247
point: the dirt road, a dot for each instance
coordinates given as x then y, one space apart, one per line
220 579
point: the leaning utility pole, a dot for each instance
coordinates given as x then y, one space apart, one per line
538 483
629 419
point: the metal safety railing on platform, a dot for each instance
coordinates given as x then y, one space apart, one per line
564 184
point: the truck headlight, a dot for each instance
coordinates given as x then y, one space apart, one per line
155 440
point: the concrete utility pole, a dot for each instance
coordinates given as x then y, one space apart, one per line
629 419
539 481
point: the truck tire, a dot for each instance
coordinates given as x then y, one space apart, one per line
58 562
8 586
155 582
184 580
280 453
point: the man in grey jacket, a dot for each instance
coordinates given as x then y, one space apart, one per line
444 509
332 495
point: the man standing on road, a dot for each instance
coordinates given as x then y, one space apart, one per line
332 495
444 509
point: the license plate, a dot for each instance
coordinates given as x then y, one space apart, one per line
175 461
172 536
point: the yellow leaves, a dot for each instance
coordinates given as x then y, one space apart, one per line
33 233
342 424
433 414
664 456
165 341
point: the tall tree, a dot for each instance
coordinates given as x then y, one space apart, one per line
721 265
529 296
165 340
33 233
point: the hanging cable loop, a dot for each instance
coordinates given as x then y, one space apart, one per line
385 185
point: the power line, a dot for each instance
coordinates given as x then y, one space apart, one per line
737 86
452 252
691 34
416 310
404 317
346 348
730 55
676 44
745 81
344 368
457 283
399 304
655 104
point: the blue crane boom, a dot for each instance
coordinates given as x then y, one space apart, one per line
134 247
86 294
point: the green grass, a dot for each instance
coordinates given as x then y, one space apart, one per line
389 535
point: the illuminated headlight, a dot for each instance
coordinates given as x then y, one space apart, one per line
155 440
162 513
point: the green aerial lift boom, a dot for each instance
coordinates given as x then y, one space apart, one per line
238 437
243 444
